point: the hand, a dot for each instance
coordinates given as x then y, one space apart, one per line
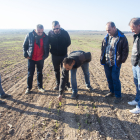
60 98
28 57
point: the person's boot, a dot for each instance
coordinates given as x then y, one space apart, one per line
41 90
110 94
2 102
117 100
90 89
28 91
56 88
74 95
68 88
5 96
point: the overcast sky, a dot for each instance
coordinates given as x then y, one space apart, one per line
71 14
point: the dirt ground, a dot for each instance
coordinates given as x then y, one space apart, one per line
38 116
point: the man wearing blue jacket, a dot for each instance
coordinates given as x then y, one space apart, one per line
114 52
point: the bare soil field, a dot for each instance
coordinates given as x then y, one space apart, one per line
38 116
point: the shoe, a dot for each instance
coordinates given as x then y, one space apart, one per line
133 102
90 89
5 96
74 95
117 100
135 110
41 90
68 88
56 88
110 94
27 91
2 102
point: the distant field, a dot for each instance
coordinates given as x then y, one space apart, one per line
40 116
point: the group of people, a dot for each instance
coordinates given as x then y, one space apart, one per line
114 52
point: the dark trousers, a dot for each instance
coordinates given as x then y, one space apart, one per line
31 70
112 75
57 62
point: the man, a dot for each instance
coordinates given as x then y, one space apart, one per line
135 60
3 95
36 50
59 41
114 52
75 60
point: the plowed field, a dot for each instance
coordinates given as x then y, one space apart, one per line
38 116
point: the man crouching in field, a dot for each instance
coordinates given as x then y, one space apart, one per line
114 52
36 50
75 60
135 60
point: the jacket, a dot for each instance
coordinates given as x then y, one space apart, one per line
28 45
80 58
59 42
138 51
121 49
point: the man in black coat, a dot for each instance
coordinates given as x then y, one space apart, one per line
59 41
75 60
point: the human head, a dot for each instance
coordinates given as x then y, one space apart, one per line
68 63
135 25
111 28
56 27
39 29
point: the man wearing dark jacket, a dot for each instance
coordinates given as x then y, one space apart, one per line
135 60
59 41
75 60
114 52
36 50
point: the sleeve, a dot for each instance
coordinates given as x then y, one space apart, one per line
68 39
138 52
125 49
63 80
25 46
47 48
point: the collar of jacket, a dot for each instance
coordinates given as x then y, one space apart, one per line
135 35
120 34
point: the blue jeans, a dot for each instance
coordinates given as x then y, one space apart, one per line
136 75
31 69
1 89
85 68
112 75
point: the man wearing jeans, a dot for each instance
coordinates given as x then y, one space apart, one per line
36 50
75 60
3 95
135 60
114 52
59 41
